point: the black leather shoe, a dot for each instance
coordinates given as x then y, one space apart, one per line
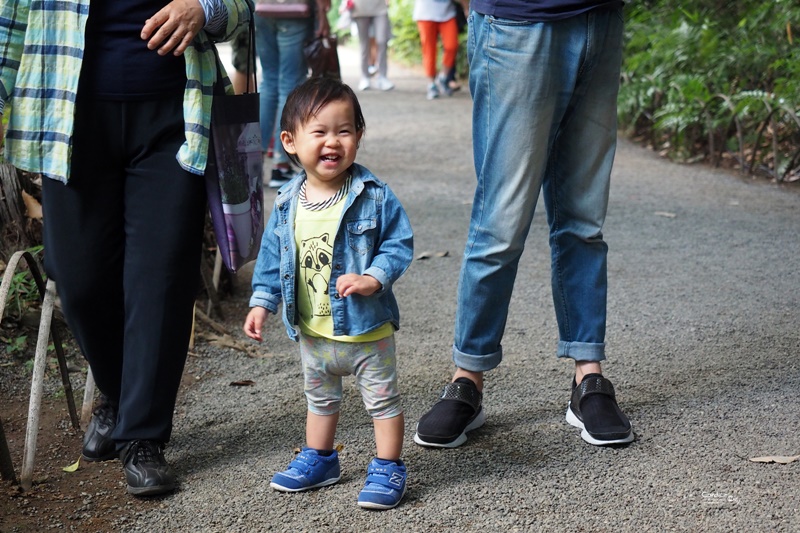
146 470
97 443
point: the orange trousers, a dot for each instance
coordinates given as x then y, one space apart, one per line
429 33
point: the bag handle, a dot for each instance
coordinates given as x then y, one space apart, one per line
219 86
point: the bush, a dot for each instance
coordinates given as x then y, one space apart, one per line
711 77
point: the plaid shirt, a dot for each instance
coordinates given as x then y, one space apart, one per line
41 49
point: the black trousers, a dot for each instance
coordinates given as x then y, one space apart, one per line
123 242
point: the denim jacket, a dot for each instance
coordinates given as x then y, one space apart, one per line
373 237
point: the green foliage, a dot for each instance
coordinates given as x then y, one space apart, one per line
16 344
696 73
405 43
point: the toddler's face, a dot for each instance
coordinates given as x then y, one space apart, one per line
326 144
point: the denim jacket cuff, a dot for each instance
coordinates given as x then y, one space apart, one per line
265 300
381 276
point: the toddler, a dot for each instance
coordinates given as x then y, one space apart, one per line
336 241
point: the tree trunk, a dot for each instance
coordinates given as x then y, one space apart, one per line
17 230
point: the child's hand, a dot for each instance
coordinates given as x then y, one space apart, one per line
348 284
254 322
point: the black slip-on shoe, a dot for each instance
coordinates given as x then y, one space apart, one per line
593 408
146 469
458 411
97 442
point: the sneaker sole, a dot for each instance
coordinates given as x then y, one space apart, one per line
151 491
380 506
573 420
458 441
109 457
325 483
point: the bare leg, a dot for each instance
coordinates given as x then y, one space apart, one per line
581 369
586 367
321 430
475 377
389 437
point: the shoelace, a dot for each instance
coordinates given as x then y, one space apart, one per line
144 451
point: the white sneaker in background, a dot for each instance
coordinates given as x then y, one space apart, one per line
383 84
363 85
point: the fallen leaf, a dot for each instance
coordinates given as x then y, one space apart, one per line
73 467
32 206
782 459
665 214
428 255
243 383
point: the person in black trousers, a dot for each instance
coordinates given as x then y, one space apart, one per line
111 106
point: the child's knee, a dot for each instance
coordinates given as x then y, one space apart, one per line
324 407
385 408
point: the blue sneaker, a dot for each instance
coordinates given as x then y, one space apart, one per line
309 470
385 486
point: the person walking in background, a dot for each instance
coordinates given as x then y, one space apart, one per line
336 242
544 78
437 18
462 7
279 44
112 105
372 20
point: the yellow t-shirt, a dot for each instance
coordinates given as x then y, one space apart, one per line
314 235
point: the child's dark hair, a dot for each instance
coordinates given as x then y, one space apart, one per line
305 101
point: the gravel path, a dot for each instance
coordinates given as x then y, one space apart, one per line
703 341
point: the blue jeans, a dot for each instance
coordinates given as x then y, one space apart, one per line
279 44
544 118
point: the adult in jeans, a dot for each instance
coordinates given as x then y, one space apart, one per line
372 20
544 78
111 105
279 45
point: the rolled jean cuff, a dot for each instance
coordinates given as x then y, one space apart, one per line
476 363
582 351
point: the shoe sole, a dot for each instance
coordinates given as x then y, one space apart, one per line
479 420
573 420
103 459
151 491
380 506
325 483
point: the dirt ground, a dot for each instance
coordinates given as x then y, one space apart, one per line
94 497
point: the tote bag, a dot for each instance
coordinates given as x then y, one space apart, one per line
234 172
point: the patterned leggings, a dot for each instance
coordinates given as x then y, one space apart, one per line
325 361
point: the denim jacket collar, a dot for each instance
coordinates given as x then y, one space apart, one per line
359 175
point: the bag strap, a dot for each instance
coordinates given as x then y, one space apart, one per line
251 53
219 86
